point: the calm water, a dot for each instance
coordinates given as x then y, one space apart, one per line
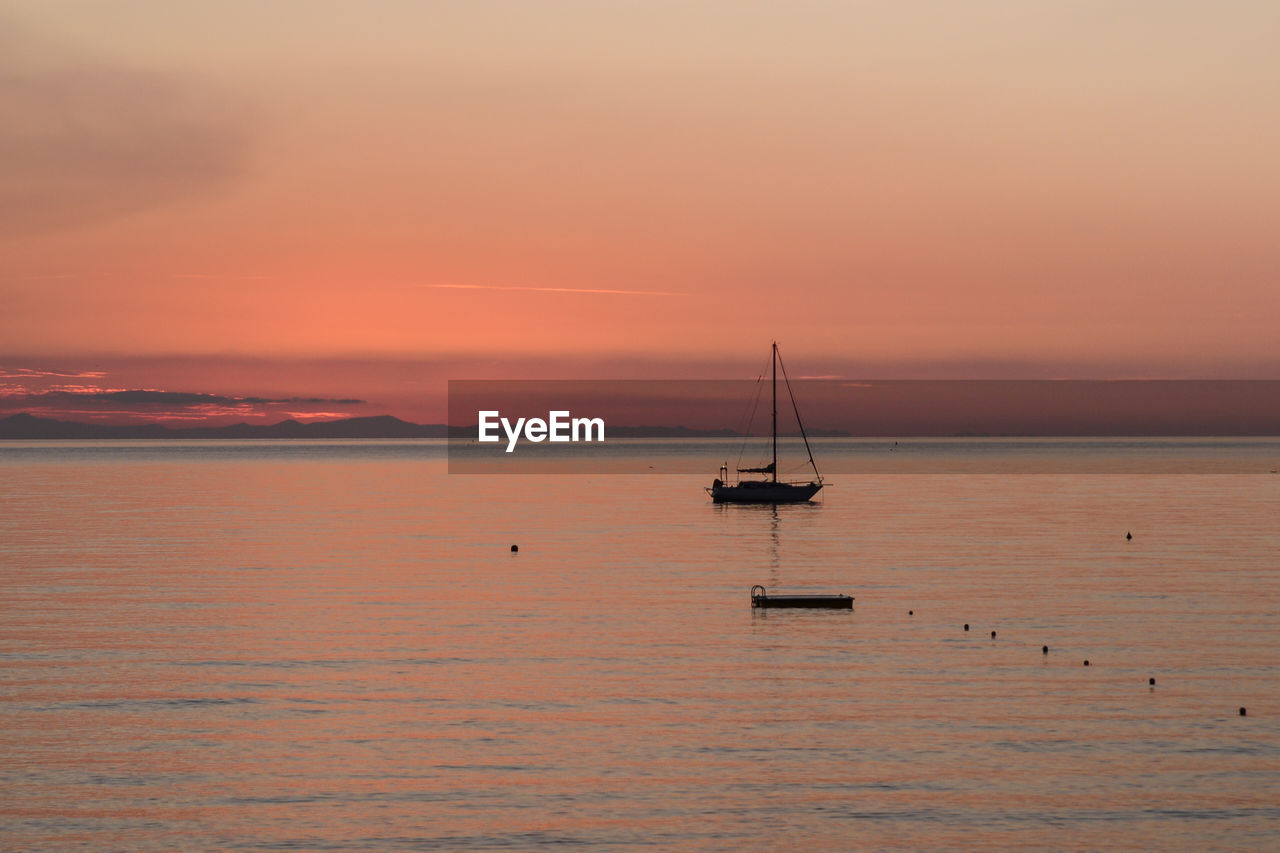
330 646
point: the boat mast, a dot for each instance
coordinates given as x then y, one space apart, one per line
799 423
775 412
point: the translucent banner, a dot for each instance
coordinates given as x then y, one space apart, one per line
812 428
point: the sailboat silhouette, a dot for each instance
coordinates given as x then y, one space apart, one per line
769 490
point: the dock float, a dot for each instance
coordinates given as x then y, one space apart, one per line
761 598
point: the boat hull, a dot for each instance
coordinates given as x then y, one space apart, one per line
763 492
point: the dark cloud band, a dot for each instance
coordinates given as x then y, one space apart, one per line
162 399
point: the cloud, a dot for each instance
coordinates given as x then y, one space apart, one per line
146 397
70 401
203 276
324 416
37 373
84 139
556 289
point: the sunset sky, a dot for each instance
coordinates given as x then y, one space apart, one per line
325 208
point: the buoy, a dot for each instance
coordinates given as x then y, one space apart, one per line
1044 650
966 626
1086 663
1128 536
1242 712
911 613
515 548
993 635
1151 681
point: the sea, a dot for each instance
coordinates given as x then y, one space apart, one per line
335 646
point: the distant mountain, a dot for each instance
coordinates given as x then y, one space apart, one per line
25 426
666 432
30 427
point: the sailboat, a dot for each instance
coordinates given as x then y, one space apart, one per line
769 489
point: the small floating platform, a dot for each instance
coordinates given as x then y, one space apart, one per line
761 598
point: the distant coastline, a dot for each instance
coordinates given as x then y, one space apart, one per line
29 427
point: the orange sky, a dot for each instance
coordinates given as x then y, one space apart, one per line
1086 188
